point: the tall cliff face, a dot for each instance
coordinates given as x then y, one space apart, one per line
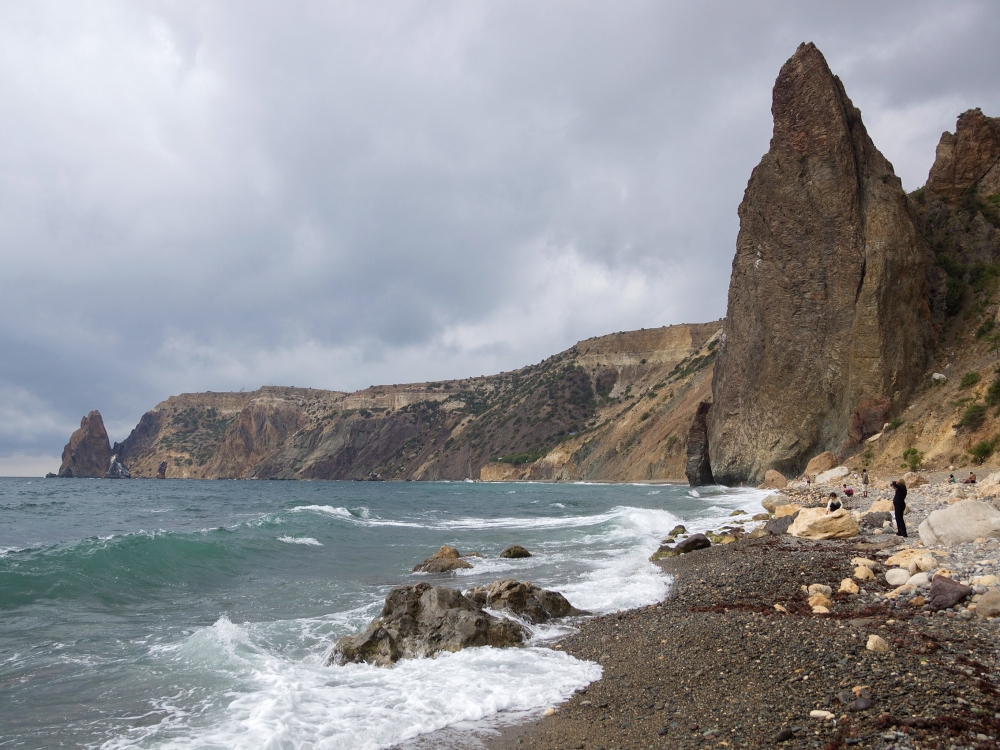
614 407
88 452
960 208
828 299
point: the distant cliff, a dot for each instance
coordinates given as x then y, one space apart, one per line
614 407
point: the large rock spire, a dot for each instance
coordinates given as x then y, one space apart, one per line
828 295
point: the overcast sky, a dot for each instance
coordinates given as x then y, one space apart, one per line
213 196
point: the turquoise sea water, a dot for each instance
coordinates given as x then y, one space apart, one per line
196 614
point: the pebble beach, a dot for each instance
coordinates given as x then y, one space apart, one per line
737 655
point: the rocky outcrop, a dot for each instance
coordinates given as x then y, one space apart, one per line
420 621
88 452
968 160
161 470
515 551
828 299
614 407
525 600
773 480
823 462
117 470
867 419
445 560
698 468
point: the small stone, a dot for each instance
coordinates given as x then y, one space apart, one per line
847 586
819 588
864 573
819 600
784 735
877 644
662 731
917 601
824 715
860 704
549 712
819 610
988 605
897 576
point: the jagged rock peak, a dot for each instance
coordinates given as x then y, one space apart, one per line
967 159
828 295
88 452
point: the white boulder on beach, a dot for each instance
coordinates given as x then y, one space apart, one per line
960 523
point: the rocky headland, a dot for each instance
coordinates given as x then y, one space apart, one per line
611 408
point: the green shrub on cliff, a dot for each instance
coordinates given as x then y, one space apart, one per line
954 295
973 417
913 458
970 379
984 449
993 392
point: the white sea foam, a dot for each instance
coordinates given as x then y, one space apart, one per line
304 704
300 540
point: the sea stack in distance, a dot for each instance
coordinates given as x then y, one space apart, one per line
88 453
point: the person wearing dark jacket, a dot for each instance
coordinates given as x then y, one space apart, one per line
899 505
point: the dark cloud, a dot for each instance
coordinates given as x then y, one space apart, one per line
214 196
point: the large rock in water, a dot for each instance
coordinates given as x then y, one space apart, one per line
117 470
698 469
828 299
960 523
421 620
524 600
816 523
88 452
445 560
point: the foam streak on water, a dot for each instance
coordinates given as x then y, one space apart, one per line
213 630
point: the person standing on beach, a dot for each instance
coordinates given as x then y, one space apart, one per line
899 505
864 483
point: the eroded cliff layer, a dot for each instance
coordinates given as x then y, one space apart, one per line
828 299
614 407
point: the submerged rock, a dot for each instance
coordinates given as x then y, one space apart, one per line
419 620
524 600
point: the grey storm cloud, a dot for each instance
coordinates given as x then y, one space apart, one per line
212 196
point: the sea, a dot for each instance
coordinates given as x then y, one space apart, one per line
201 614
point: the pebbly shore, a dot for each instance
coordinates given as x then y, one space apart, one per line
736 656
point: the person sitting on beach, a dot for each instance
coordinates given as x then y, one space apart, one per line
951 479
849 491
833 504
970 480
